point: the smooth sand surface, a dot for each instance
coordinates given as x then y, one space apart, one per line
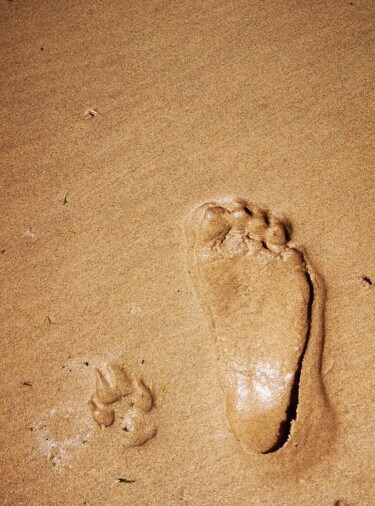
116 121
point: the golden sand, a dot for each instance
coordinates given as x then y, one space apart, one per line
118 120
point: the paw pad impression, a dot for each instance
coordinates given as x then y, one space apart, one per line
112 384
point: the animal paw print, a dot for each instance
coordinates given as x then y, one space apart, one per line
112 385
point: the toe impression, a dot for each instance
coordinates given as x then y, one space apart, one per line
276 236
103 415
112 383
214 223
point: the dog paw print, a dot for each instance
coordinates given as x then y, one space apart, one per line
113 385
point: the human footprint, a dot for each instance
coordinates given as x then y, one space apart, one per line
257 289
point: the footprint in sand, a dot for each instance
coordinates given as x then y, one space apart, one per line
257 289
112 385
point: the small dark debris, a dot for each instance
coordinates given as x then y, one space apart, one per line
70 370
351 3
91 113
142 362
42 48
84 441
86 362
125 429
367 280
27 384
124 480
69 356
63 366
31 429
2 251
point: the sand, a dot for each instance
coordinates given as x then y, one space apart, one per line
118 120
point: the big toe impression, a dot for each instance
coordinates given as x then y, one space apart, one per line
213 224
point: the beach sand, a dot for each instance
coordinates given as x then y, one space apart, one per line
118 120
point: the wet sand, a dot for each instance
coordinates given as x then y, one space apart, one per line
117 120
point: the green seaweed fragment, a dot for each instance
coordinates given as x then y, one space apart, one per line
124 480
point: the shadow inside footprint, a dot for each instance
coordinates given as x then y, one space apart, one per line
291 412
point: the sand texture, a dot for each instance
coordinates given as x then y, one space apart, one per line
187 253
